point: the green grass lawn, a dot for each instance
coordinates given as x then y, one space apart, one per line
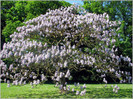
49 91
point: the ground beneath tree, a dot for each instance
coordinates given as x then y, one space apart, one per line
49 91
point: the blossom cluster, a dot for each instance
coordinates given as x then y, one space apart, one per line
115 88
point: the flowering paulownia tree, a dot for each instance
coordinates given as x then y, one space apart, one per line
51 46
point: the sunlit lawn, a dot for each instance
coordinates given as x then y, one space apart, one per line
49 91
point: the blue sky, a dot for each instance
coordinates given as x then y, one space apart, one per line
74 1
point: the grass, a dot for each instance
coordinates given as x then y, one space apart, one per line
49 91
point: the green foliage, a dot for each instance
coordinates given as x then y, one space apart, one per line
117 10
5 6
65 4
10 28
94 7
49 91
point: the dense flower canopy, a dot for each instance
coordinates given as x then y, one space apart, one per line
51 45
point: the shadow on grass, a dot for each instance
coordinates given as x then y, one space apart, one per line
90 93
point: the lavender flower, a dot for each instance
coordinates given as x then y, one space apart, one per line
77 92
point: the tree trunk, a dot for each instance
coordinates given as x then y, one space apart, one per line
63 84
